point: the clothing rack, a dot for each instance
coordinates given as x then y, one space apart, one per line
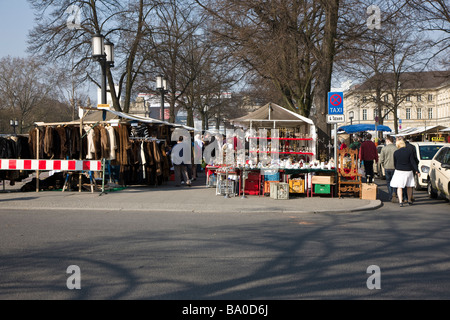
79 124
140 139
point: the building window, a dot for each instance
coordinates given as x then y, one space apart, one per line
408 98
430 113
430 97
364 99
419 97
408 113
386 114
386 98
364 115
375 114
419 113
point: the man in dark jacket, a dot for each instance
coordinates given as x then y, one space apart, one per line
368 154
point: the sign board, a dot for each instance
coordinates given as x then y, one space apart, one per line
335 103
103 106
438 139
335 118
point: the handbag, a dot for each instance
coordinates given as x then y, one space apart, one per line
362 171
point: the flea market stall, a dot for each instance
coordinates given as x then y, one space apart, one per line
129 150
280 156
424 133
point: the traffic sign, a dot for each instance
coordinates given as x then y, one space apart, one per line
335 118
335 103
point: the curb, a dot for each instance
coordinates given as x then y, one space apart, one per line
375 204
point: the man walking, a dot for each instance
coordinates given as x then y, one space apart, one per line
179 162
368 154
387 162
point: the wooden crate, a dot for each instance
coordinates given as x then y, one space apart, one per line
322 179
297 186
279 191
267 186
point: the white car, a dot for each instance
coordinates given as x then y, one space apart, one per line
439 175
425 152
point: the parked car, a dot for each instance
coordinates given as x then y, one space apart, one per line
425 152
439 175
378 169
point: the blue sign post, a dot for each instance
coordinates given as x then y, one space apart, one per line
335 103
335 107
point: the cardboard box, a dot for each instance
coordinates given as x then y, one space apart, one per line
322 179
369 191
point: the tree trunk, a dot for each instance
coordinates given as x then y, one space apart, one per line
323 78
190 117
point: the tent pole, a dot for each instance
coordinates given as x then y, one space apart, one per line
37 157
80 176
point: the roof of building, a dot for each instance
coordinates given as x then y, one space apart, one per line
408 80
270 113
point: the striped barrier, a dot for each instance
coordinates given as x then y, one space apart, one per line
50 165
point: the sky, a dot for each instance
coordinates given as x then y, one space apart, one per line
16 19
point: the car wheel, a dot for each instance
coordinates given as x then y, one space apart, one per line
431 192
416 181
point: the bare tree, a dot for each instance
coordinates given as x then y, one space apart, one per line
125 24
290 43
434 16
24 84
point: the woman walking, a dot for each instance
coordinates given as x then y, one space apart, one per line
405 168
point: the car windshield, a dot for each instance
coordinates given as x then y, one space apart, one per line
428 152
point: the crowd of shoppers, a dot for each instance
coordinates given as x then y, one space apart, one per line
400 163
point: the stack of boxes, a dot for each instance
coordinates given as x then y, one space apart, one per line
322 184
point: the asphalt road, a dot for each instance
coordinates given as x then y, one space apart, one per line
200 256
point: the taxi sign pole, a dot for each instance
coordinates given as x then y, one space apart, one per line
335 107
335 146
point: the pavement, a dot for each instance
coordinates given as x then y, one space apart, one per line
168 198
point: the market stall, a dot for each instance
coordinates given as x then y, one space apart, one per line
296 136
134 149
424 133
280 156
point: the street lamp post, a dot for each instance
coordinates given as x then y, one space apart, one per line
161 86
103 52
14 124
351 115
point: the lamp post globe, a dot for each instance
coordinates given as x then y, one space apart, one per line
98 45
109 52
161 85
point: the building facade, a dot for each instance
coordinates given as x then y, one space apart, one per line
423 100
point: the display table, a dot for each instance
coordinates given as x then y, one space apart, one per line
226 185
209 170
307 172
251 180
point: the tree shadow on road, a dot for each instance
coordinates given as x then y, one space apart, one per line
295 257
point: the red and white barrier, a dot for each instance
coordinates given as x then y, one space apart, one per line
50 165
